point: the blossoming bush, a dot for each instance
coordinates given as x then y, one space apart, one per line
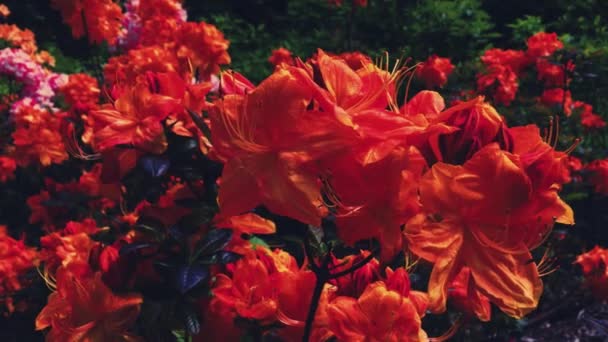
342 197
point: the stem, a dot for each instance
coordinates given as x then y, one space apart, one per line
322 273
323 276
354 267
314 305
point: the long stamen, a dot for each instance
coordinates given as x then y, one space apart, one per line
49 280
550 135
574 145
409 82
546 265
556 140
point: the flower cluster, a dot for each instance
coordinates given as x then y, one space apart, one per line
172 198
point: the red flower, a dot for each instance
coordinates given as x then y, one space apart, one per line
134 119
83 308
598 175
204 46
15 260
7 168
281 56
595 271
435 71
555 98
98 20
504 80
552 74
543 45
516 60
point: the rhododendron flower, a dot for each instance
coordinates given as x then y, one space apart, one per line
203 46
377 209
39 84
81 92
68 251
598 175
543 44
266 163
435 71
513 59
588 118
134 119
4 11
379 314
477 123
83 308
551 74
151 22
37 137
595 271
16 259
353 284
262 286
126 68
345 92
7 168
232 82
281 56
486 215
556 97
248 223
98 20
465 297
501 81
355 59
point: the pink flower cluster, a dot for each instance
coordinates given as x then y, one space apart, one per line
39 84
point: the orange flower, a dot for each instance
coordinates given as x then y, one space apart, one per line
595 271
126 68
346 92
465 296
375 200
379 314
477 124
81 92
98 20
249 293
66 251
37 138
134 119
486 215
267 139
18 38
84 309
435 71
204 46
4 11
248 223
